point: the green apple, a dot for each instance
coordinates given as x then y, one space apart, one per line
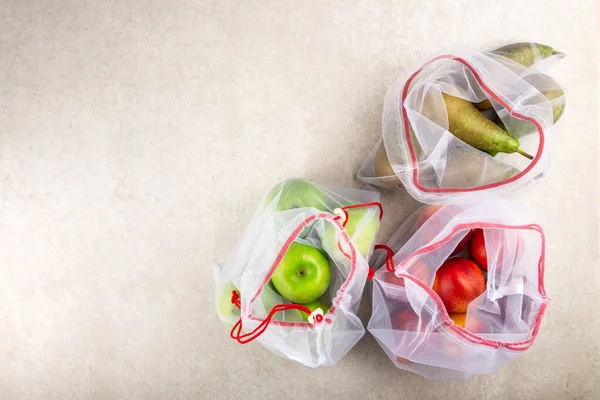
270 298
297 193
229 313
312 306
362 227
303 274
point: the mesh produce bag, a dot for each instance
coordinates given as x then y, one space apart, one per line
410 320
417 151
341 224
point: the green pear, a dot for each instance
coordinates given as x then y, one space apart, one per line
230 314
549 88
524 52
297 193
557 109
383 167
483 105
384 170
520 128
469 125
270 298
465 168
362 227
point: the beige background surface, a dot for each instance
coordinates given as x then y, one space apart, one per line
138 137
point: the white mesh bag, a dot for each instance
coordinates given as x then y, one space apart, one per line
410 320
418 153
342 224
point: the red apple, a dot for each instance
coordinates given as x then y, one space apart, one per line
428 213
405 319
390 277
453 349
462 244
458 282
477 249
418 269
403 360
397 293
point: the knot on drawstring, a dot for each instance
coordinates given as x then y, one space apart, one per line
341 214
243 338
235 298
389 258
371 273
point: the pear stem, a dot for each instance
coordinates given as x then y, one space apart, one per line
521 152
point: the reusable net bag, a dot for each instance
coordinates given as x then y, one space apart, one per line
410 320
417 151
335 226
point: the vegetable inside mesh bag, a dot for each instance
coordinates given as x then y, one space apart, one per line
410 320
297 223
417 151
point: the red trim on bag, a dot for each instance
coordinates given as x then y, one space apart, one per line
337 300
339 245
517 346
347 217
493 95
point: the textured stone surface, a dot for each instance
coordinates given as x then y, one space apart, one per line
137 139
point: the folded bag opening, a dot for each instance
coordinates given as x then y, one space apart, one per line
418 152
496 97
337 299
418 261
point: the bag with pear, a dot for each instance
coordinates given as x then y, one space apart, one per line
467 124
296 277
461 291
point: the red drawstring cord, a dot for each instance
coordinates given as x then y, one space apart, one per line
371 273
389 259
259 330
235 299
372 204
